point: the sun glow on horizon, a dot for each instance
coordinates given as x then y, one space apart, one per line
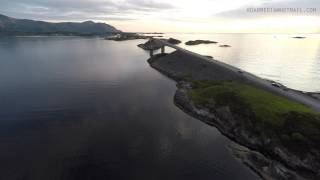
187 16
299 24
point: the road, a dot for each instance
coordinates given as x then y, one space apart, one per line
255 80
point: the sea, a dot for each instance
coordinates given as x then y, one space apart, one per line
75 108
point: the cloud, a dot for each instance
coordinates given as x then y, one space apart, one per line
80 9
271 6
147 5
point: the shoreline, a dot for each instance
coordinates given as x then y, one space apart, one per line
184 66
310 99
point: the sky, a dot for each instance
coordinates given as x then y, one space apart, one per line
189 16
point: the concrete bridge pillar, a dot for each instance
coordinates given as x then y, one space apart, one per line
163 49
151 53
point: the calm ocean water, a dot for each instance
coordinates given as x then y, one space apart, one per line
89 109
279 57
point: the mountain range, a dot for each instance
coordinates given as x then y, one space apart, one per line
13 26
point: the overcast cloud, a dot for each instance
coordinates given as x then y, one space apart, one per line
311 8
175 12
60 10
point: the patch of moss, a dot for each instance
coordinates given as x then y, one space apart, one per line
297 137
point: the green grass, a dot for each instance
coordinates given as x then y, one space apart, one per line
266 106
270 114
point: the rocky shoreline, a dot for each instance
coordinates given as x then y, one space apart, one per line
269 163
269 159
129 36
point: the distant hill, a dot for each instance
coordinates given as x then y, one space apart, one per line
12 26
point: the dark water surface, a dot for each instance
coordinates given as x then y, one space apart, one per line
75 108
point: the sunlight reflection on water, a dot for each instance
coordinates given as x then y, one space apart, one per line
90 109
279 57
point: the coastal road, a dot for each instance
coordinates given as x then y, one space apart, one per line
291 94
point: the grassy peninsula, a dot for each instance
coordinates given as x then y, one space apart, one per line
267 114
277 130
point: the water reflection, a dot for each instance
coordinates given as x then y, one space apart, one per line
279 57
92 109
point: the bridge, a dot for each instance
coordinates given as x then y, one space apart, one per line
161 44
246 76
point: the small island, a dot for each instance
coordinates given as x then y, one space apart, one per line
174 41
197 42
299 37
151 44
224 45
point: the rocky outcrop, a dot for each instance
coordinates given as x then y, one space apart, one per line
173 41
299 37
263 166
197 42
225 45
151 45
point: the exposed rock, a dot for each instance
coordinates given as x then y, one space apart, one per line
209 57
225 45
197 42
174 41
266 168
299 37
151 45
